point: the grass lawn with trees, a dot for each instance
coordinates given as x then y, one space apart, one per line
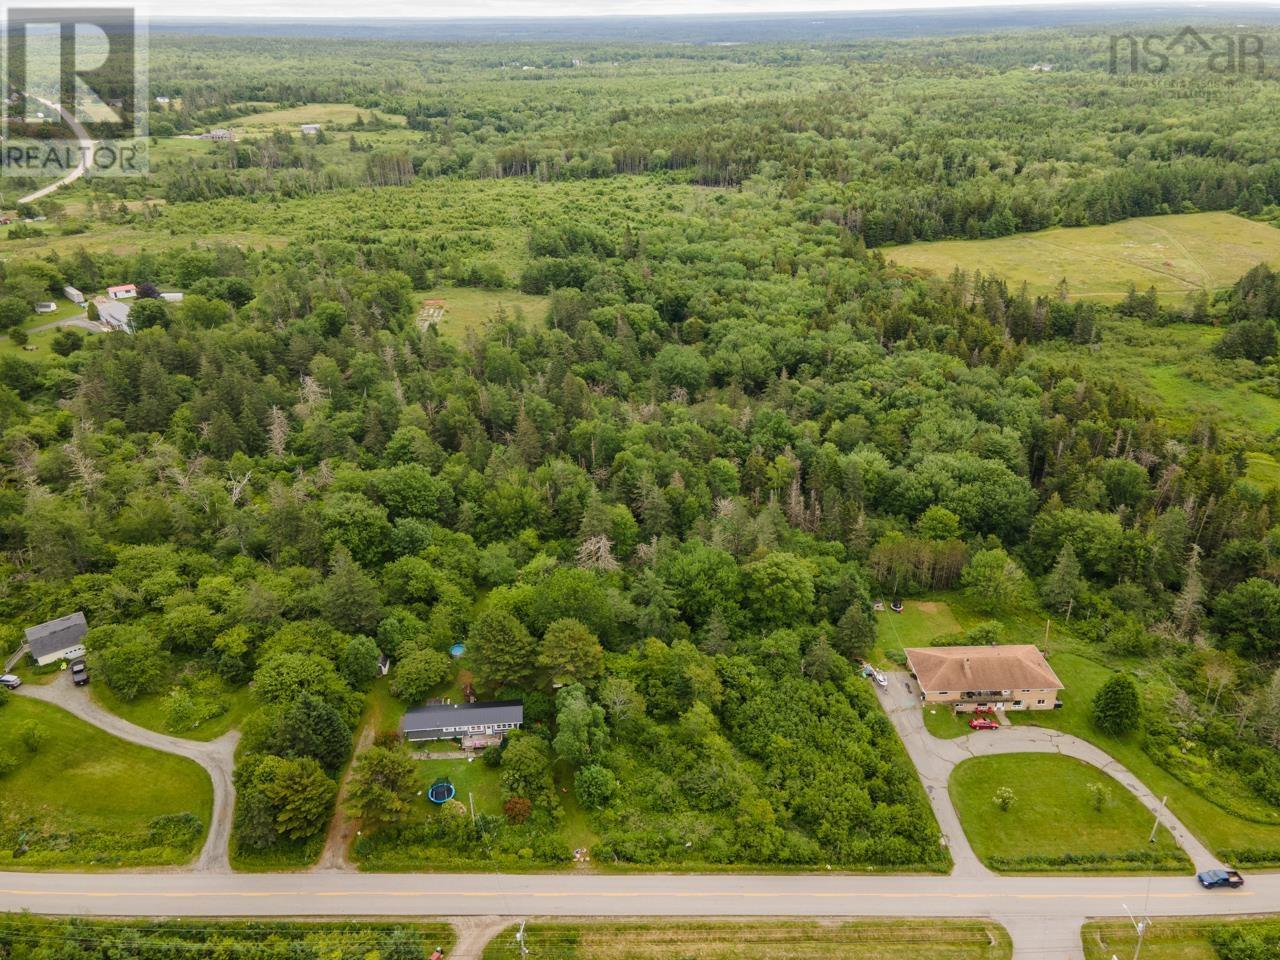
88 799
1053 824
1222 831
149 711
726 940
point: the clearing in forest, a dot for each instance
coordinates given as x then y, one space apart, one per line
1176 254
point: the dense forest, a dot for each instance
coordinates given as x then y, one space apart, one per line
658 509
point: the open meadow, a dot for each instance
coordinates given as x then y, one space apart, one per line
1177 254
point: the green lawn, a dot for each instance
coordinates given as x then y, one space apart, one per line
1051 816
97 792
1175 254
729 940
945 723
474 779
1214 826
916 626
1167 939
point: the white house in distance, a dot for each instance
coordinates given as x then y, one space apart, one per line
122 291
61 639
310 129
46 306
74 295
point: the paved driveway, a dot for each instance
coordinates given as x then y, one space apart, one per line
936 758
216 756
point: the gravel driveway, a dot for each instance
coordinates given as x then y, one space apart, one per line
216 756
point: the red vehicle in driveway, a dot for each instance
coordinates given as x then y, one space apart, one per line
982 723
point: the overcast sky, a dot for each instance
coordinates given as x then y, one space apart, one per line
313 9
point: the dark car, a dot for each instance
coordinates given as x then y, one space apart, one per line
79 673
1219 878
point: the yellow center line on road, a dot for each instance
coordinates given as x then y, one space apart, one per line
617 895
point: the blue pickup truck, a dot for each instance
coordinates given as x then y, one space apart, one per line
1219 878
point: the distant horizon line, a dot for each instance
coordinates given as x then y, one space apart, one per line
1105 8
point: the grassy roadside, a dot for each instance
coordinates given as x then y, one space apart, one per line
28 937
1169 939
1051 826
727 940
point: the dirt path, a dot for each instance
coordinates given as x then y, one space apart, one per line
474 934
216 756
342 828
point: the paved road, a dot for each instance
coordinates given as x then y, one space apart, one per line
1042 914
86 153
935 759
216 756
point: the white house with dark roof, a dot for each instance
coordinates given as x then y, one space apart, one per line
457 721
61 639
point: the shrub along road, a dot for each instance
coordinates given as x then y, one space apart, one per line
216 756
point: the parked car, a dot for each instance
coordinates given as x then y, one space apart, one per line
79 673
989 710
981 723
1219 878
10 681
880 678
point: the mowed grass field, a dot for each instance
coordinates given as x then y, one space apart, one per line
723 940
469 308
83 779
1177 254
1051 815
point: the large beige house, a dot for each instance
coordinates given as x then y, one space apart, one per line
1012 677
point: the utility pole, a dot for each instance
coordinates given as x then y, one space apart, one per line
471 799
1141 927
1156 826
522 940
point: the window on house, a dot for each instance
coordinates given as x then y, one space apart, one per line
1040 702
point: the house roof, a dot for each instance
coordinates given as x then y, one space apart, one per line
56 635
1011 667
122 286
437 715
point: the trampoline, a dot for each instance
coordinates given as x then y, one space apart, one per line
457 650
441 791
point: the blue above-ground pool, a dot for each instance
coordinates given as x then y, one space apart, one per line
457 650
441 791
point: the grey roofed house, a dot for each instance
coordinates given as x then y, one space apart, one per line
448 721
61 639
